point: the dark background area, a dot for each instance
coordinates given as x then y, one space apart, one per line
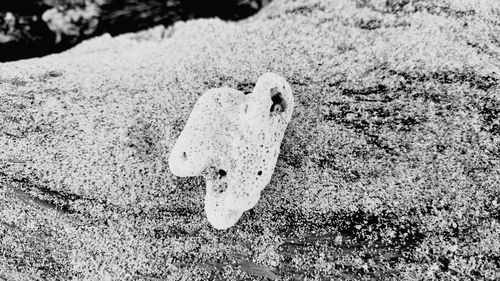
33 28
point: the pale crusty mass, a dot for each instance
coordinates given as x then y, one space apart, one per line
233 141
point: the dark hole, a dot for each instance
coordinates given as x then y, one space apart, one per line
279 104
221 173
277 98
184 156
259 173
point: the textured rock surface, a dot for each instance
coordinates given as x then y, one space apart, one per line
234 139
389 166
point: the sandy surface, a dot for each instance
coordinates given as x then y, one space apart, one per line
390 166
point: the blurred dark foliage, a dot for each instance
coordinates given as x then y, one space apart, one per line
32 28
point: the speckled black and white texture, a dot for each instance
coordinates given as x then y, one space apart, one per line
389 167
